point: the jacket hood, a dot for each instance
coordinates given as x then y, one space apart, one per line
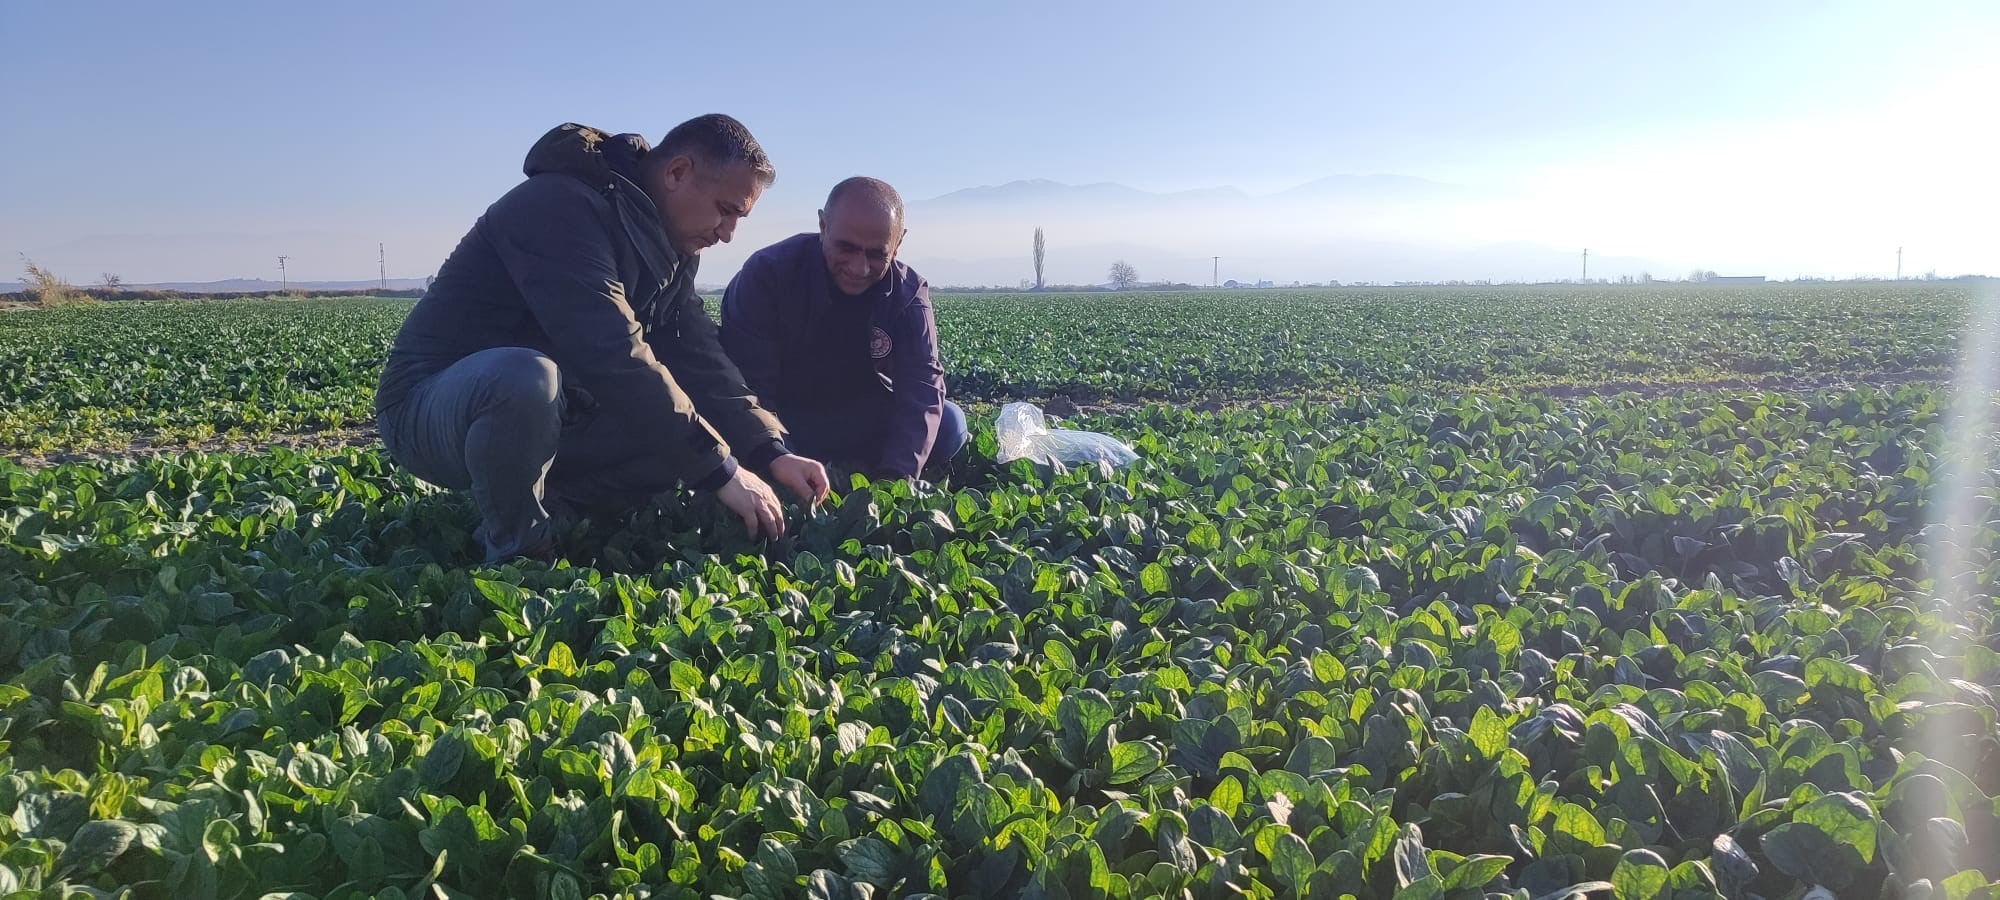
609 163
585 152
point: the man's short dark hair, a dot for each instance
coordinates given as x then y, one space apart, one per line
875 190
717 140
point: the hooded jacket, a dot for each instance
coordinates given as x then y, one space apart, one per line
770 313
574 262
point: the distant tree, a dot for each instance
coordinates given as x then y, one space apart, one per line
112 282
1123 276
1041 249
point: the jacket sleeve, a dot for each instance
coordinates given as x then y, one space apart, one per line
918 398
557 251
713 381
750 328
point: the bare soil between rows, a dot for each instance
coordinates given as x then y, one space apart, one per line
365 435
1061 405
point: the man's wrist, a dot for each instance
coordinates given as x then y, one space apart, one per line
722 475
762 456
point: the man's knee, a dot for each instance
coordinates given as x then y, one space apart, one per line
520 382
520 372
952 434
951 420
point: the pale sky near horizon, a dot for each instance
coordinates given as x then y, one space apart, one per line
196 141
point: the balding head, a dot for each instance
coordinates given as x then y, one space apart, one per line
874 193
860 229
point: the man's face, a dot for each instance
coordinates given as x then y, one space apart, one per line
859 240
699 203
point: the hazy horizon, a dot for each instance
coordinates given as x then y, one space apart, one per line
1787 140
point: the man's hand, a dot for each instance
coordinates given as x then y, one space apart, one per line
751 500
804 477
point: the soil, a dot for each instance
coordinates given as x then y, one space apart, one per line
325 439
1061 406
365 435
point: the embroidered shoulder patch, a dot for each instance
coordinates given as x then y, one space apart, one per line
879 344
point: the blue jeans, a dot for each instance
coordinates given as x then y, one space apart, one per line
952 436
502 424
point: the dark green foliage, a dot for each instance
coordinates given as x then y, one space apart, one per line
1403 645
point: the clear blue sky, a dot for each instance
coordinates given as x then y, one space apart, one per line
179 141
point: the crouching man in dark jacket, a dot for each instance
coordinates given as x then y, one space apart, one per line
561 354
839 339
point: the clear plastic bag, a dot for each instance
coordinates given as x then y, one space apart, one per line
1025 434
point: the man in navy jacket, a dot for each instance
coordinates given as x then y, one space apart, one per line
838 340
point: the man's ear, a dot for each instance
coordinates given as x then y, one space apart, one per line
822 221
676 171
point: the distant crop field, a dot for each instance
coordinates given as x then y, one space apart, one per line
1273 344
1450 620
93 377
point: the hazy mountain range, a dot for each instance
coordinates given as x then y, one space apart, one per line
1347 228
1043 197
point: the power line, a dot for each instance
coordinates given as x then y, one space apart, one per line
382 265
1586 264
284 279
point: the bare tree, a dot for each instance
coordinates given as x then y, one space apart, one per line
1041 248
1123 276
112 282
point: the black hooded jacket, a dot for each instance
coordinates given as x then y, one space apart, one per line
574 263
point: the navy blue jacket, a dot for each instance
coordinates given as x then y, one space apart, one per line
768 313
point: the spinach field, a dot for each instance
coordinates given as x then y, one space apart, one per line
1400 600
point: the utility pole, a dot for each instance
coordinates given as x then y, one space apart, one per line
1586 264
1215 272
1899 264
382 266
284 279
